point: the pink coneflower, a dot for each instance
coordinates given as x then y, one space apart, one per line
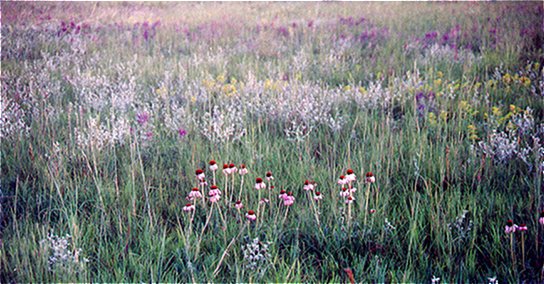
239 205
318 196
259 184
510 227
215 198
283 194
522 228
350 199
203 182
250 215
350 175
308 185
541 219
200 174
269 176
352 189
243 170
372 211
195 193
344 192
370 178
264 201
214 190
188 207
342 180
213 165
289 199
232 168
226 170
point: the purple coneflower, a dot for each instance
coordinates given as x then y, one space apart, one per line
318 196
188 207
243 170
194 194
308 185
250 215
350 175
370 178
510 227
213 165
259 184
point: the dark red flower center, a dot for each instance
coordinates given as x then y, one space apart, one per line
251 212
510 223
369 174
268 174
225 166
214 187
212 162
188 204
258 180
307 182
349 171
195 189
282 191
242 166
232 166
199 171
317 193
342 177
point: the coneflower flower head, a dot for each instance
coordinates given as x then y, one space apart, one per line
264 201
269 176
214 190
188 207
250 215
195 193
350 175
370 178
226 170
342 180
238 204
541 219
203 182
213 165
352 189
283 194
318 196
243 170
510 227
289 199
232 169
522 228
215 198
308 185
200 174
344 192
349 199
259 184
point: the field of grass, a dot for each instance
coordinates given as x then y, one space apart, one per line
380 142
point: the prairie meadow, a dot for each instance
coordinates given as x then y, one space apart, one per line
272 142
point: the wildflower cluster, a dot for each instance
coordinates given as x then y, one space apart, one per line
62 255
